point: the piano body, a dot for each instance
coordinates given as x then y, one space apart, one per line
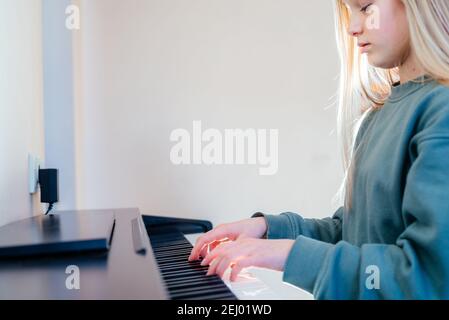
147 259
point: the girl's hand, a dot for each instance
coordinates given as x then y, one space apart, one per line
248 228
247 252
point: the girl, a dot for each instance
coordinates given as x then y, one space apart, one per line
390 239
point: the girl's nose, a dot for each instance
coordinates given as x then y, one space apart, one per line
355 27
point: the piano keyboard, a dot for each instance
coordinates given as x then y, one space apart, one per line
183 279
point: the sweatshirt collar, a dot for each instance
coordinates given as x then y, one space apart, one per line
400 91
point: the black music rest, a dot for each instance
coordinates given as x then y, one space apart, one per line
57 234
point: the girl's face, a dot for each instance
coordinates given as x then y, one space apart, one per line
381 29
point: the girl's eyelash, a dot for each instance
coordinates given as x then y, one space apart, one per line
365 7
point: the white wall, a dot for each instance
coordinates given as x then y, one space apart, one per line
147 67
21 122
59 99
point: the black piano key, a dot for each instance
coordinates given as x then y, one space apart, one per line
173 254
210 288
193 283
174 247
185 251
186 279
159 242
181 268
182 274
177 252
168 259
168 248
180 263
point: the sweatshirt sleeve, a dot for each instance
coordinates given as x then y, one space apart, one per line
416 266
289 225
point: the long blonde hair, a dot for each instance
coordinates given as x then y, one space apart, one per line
364 88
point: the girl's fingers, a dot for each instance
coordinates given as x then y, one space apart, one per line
200 243
237 254
228 256
218 251
238 265
204 240
213 266
207 248
204 251
223 265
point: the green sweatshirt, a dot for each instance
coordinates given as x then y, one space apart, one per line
394 241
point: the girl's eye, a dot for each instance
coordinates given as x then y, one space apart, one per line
365 8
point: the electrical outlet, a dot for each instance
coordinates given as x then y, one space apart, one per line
33 173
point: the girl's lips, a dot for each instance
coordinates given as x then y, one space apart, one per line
365 48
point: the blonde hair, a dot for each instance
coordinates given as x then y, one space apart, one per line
364 88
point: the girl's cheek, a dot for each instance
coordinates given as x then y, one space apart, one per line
393 25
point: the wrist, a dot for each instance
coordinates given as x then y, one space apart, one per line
263 227
262 222
287 248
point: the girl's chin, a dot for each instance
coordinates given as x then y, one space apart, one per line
373 61
379 62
